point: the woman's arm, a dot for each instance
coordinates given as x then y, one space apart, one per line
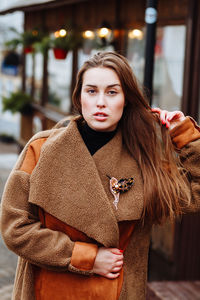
185 134
186 137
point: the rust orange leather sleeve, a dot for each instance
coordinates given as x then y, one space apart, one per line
83 256
184 133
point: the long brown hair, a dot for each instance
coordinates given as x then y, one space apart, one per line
149 143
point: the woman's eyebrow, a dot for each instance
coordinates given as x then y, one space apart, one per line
110 85
90 85
115 84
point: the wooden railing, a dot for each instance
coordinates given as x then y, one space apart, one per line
47 117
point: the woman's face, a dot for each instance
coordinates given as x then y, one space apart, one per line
102 99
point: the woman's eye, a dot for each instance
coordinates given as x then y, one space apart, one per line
112 92
91 91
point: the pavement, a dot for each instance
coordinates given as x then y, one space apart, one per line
8 260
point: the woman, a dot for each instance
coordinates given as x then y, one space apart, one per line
79 205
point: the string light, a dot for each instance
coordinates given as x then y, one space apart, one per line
34 32
135 34
56 34
104 32
60 33
88 34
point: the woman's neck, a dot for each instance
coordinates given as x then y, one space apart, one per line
93 139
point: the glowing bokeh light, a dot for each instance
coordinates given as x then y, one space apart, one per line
62 32
135 34
88 34
104 32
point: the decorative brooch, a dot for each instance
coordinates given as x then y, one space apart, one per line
119 186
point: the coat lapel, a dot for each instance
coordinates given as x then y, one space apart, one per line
72 185
114 160
66 184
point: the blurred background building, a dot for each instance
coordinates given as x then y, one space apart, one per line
47 75
9 123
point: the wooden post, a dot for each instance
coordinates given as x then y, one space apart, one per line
33 76
26 129
44 96
23 72
74 73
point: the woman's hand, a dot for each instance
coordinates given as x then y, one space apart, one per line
108 262
169 118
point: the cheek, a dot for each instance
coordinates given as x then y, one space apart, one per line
120 107
85 104
82 101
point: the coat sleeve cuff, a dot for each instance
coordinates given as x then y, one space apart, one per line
83 257
184 133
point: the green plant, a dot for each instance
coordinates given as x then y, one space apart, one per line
53 98
26 38
43 45
70 41
61 43
17 102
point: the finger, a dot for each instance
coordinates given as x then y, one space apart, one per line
119 263
175 115
116 251
163 115
118 266
116 269
117 255
119 258
112 275
156 109
168 118
114 266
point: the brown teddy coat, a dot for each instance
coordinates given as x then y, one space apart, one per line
57 209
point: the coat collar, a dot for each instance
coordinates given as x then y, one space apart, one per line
72 185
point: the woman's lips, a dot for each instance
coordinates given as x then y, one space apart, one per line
100 116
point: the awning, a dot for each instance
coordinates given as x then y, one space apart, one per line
30 5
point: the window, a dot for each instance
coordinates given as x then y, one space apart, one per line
59 81
135 52
168 68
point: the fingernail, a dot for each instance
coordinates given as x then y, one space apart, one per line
121 251
163 122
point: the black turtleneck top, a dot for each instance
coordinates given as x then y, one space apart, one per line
93 139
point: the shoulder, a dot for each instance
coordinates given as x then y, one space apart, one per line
31 152
52 134
40 142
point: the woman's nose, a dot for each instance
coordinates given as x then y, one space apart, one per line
100 101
